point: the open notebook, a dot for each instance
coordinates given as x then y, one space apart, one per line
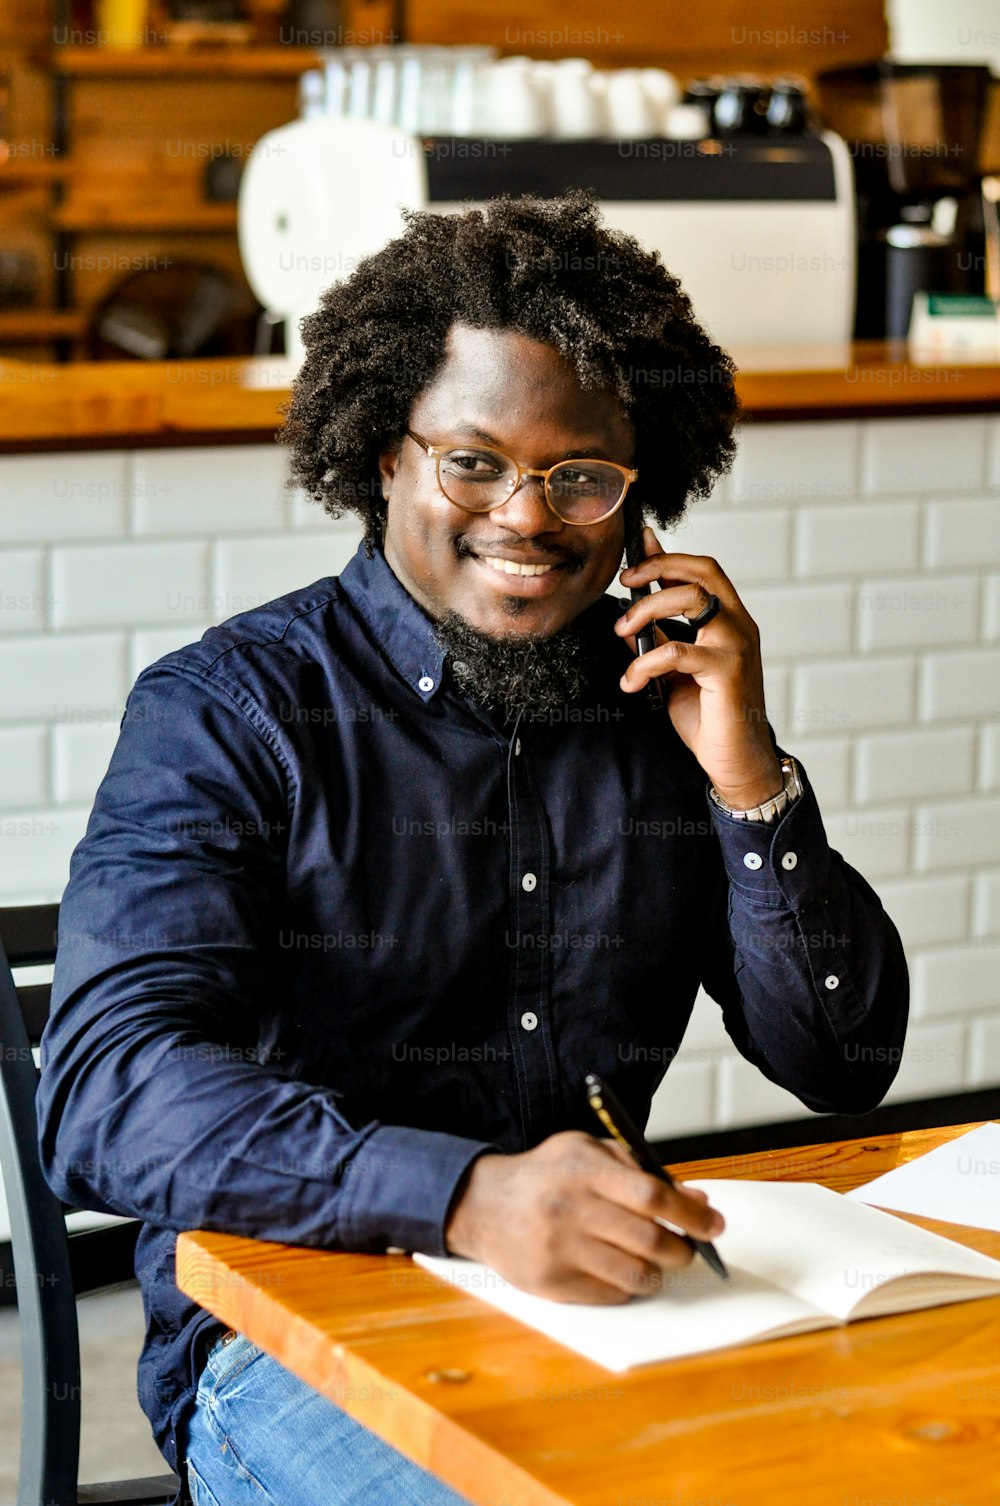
800 1258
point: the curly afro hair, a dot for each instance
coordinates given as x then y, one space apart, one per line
547 268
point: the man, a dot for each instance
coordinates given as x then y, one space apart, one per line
381 870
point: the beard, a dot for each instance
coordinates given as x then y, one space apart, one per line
517 674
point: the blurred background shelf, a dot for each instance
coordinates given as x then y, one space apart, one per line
179 62
31 171
32 326
122 218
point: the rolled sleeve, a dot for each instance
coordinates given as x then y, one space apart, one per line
400 1185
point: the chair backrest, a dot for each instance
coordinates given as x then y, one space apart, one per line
51 1267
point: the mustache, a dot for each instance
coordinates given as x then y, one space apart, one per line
538 554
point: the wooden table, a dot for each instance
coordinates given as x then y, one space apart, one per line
903 1409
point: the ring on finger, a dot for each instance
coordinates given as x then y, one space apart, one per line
711 609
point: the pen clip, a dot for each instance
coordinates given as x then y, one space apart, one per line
597 1105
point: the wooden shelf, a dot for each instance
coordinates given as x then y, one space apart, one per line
181 62
143 218
237 401
33 326
26 172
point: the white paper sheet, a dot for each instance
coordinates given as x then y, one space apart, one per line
800 1257
958 1183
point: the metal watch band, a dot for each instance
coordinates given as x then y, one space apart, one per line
770 811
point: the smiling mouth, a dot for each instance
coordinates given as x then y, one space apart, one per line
512 567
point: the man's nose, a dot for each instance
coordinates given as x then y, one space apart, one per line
526 511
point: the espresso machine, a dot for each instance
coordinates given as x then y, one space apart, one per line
758 226
924 214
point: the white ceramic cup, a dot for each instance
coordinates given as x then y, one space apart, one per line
437 87
509 101
688 123
663 92
335 92
385 91
578 105
359 88
630 110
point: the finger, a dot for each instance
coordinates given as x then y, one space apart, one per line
677 657
658 633
645 1195
626 1158
619 1152
644 1238
700 568
579 1287
619 1270
687 599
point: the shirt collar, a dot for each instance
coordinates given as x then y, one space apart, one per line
401 628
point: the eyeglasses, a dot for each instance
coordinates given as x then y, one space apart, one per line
479 479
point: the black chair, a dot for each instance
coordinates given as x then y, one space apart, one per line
52 1267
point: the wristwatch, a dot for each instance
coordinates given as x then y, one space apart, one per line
771 811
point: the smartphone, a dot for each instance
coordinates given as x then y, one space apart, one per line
635 553
671 627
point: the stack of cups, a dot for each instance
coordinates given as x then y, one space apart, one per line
468 91
425 90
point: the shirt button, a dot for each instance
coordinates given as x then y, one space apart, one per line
517 747
425 683
529 1020
528 882
789 860
752 859
831 980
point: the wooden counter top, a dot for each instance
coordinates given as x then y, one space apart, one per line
100 405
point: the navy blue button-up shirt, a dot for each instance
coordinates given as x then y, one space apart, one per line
333 930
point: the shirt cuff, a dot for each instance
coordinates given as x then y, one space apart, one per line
782 864
399 1188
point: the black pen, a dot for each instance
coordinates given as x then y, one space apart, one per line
614 1118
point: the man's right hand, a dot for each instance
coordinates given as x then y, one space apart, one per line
575 1220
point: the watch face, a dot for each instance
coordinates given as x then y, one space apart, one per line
794 787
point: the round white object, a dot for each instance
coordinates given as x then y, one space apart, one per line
316 196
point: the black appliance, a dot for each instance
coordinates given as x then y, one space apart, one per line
914 131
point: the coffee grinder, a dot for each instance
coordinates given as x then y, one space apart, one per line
914 132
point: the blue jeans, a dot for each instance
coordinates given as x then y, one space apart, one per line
260 1435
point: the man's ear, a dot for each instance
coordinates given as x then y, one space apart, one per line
388 461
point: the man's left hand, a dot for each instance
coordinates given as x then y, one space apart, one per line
714 688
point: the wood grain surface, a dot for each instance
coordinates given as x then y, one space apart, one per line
903 1409
97 404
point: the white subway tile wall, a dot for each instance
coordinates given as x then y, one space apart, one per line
989 757
884 537
986 904
904 457
916 611
927 909
991 607
983 1052
867 551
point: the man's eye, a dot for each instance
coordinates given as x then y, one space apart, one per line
472 463
568 478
